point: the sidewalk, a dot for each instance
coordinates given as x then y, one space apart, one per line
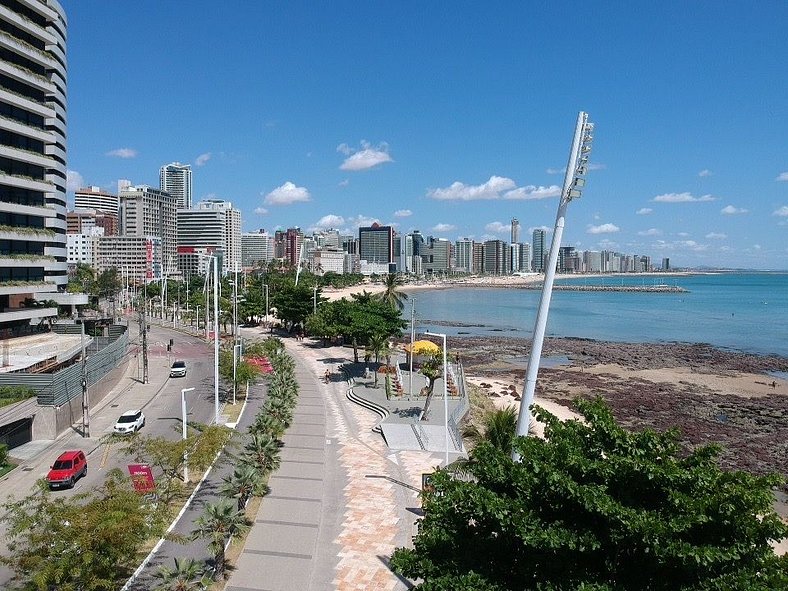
341 501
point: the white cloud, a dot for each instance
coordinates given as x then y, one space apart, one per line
731 210
498 227
716 236
681 198
644 211
287 194
555 170
533 192
443 228
367 157
261 211
607 244
705 172
592 166
123 153
74 181
650 232
344 183
330 221
545 228
680 245
361 220
403 213
756 246
603 229
683 234
783 176
462 192
782 212
202 159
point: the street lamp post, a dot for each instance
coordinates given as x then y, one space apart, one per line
314 299
215 332
574 181
445 394
266 302
185 453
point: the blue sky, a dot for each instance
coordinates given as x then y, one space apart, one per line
450 117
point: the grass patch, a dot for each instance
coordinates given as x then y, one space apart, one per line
6 468
232 412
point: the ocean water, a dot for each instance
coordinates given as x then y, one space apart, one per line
737 311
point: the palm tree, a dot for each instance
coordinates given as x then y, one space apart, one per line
263 452
218 523
377 345
245 482
499 427
280 409
188 575
392 294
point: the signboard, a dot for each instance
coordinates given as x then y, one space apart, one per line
142 478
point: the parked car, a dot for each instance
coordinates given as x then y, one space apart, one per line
178 369
69 467
130 421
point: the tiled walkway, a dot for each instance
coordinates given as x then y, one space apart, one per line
341 502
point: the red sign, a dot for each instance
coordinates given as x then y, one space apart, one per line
142 478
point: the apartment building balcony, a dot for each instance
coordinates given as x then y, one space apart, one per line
27 234
18 128
42 211
25 102
26 313
25 24
28 156
42 58
25 260
27 77
26 287
26 182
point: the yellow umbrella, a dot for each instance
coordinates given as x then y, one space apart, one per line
422 347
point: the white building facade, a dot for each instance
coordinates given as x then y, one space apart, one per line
176 179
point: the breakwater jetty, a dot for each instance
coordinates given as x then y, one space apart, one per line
626 288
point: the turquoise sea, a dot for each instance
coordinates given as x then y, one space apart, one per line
739 311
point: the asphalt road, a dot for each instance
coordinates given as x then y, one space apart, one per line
160 400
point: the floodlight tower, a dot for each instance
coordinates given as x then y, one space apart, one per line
574 181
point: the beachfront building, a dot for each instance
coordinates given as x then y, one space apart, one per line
514 257
496 257
331 261
568 260
477 265
176 179
539 246
144 212
666 264
436 256
33 257
515 237
525 257
592 261
257 248
376 244
463 255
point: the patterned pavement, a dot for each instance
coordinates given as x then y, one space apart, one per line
367 495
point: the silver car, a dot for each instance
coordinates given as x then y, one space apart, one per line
178 369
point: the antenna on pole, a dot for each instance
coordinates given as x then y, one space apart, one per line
574 181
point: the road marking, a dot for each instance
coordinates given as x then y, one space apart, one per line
105 455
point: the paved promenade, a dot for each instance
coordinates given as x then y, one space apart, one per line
341 501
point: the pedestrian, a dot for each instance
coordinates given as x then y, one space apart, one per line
327 376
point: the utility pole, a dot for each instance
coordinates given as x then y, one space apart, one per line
144 328
85 398
412 339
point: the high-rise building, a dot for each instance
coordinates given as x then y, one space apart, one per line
435 257
33 162
666 264
515 231
215 225
256 248
82 221
144 212
525 257
376 244
96 198
293 239
463 255
496 257
137 257
539 245
176 179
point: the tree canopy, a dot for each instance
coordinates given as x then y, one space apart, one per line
595 507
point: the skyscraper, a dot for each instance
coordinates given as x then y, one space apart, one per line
515 231
538 244
176 179
95 198
145 211
376 244
33 163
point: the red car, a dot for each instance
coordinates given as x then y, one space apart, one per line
67 469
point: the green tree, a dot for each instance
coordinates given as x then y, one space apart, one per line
245 482
593 506
262 451
377 345
87 541
219 522
293 303
393 294
187 575
432 369
499 428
